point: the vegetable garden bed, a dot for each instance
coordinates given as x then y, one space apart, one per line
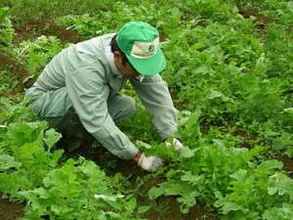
230 75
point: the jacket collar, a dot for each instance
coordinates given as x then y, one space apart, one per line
110 59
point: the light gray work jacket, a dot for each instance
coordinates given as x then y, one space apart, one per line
84 76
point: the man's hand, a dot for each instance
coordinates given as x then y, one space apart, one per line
175 143
150 163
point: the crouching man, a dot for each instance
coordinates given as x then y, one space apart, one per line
78 91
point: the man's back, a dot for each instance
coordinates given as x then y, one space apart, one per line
87 53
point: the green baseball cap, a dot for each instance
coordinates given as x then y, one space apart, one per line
140 42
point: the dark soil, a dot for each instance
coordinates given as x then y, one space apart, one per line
16 69
13 65
262 21
168 209
36 28
10 210
288 164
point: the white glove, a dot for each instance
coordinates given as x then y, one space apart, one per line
174 142
151 163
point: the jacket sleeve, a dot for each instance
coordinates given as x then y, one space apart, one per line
155 96
89 94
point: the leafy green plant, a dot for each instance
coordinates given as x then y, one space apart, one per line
78 185
279 41
37 53
24 143
242 188
203 171
202 176
255 191
8 82
89 25
30 10
15 111
30 170
6 30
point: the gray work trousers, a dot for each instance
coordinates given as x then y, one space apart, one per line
56 107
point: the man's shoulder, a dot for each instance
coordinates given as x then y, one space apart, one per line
92 49
101 41
107 36
93 55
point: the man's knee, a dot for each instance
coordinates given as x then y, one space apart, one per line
121 107
130 107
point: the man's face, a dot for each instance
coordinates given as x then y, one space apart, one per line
126 70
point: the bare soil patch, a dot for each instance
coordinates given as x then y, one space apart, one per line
10 210
36 28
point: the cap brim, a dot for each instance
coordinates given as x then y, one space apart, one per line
151 66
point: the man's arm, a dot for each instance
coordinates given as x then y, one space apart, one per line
155 96
89 94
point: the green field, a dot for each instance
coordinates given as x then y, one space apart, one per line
230 74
